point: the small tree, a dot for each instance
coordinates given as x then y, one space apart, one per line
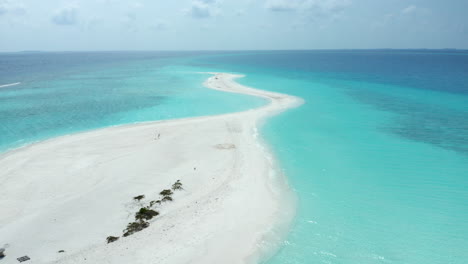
166 198
177 185
145 214
135 227
152 203
166 192
110 239
139 197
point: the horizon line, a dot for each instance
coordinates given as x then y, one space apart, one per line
238 50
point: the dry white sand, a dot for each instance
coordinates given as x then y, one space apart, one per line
71 192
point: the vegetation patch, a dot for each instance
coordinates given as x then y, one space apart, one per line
145 214
167 199
152 203
134 227
177 186
139 197
166 192
111 239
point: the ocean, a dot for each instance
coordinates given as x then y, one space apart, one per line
377 156
63 93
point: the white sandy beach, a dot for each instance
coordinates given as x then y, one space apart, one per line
71 192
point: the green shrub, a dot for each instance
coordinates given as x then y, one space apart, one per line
166 198
145 214
166 192
139 197
109 239
135 227
177 185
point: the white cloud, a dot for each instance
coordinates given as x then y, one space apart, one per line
129 22
200 10
203 8
310 8
283 5
66 16
416 14
408 10
12 7
329 5
136 5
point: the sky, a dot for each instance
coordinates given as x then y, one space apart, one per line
95 25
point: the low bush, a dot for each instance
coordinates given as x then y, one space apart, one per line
166 192
139 197
109 239
145 214
177 185
166 198
135 227
152 203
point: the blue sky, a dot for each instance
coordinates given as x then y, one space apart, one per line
231 24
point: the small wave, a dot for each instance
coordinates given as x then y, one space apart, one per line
378 257
325 253
10 84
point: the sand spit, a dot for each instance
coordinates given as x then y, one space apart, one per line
71 192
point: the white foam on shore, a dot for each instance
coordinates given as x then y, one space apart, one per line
71 192
10 84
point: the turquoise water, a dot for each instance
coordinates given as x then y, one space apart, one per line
378 155
101 91
367 196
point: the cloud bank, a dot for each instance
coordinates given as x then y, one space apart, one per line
311 7
12 7
203 8
66 16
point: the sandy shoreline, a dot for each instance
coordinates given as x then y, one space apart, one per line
71 192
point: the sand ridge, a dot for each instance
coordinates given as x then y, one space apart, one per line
71 192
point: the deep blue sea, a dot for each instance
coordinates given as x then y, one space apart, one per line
378 154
